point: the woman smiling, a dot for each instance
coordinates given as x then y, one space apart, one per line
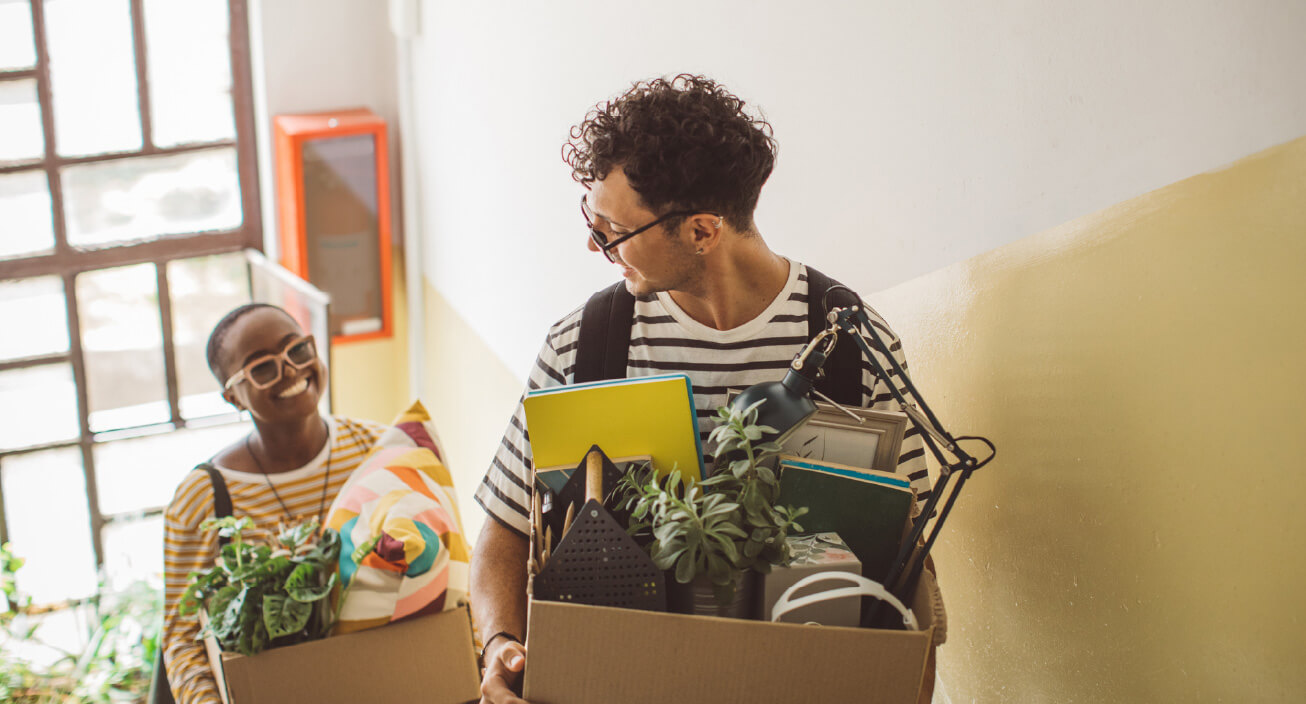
288 469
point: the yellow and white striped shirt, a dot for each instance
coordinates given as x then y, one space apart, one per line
187 549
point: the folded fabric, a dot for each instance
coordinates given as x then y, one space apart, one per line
400 506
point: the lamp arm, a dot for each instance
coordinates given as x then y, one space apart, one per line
852 320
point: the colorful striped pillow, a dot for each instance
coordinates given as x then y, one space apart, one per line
400 501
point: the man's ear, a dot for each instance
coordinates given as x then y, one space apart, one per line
705 231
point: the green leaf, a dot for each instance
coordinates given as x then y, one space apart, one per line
685 571
363 548
732 530
282 616
305 584
227 526
298 534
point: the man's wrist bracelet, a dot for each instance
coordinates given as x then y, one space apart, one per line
500 634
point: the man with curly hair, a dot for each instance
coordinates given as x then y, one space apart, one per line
672 171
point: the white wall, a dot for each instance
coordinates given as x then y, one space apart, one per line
316 55
912 135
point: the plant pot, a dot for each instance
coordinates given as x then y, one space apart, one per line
699 597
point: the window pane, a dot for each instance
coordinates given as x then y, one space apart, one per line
49 525
26 213
133 551
340 211
122 340
40 406
143 473
203 290
17 50
143 197
34 312
21 138
190 71
92 76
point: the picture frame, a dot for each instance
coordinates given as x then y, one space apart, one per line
873 439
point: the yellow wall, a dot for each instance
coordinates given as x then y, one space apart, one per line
470 394
1140 535
370 378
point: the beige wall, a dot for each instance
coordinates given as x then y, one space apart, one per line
370 378
1140 535
470 393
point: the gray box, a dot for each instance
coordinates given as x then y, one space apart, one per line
813 553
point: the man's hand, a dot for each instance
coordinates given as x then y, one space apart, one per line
503 668
499 583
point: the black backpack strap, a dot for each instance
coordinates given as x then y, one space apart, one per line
841 377
160 690
221 497
605 335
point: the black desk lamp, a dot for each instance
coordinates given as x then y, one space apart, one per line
787 406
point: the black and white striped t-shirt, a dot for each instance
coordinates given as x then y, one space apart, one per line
664 340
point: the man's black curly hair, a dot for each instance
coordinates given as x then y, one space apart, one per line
684 143
219 334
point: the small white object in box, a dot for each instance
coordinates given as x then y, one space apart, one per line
813 553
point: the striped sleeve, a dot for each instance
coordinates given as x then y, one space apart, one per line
186 549
505 493
911 458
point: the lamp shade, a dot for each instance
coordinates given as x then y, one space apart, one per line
786 406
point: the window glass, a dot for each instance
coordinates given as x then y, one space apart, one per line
26 212
340 214
93 76
49 524
122 342
144 197
40 406
190 71
133 552
35 314
17 50
21 137
203 290
142 473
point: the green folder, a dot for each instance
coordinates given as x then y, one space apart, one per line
867 508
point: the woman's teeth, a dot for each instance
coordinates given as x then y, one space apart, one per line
300 387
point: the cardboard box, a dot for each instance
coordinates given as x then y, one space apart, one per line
428 659
598 655
813 553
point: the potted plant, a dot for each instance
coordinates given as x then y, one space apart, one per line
260 595
716 535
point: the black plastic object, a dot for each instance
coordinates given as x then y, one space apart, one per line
597 563
573 493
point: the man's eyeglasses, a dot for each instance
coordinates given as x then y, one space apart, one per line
606 247
266 370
